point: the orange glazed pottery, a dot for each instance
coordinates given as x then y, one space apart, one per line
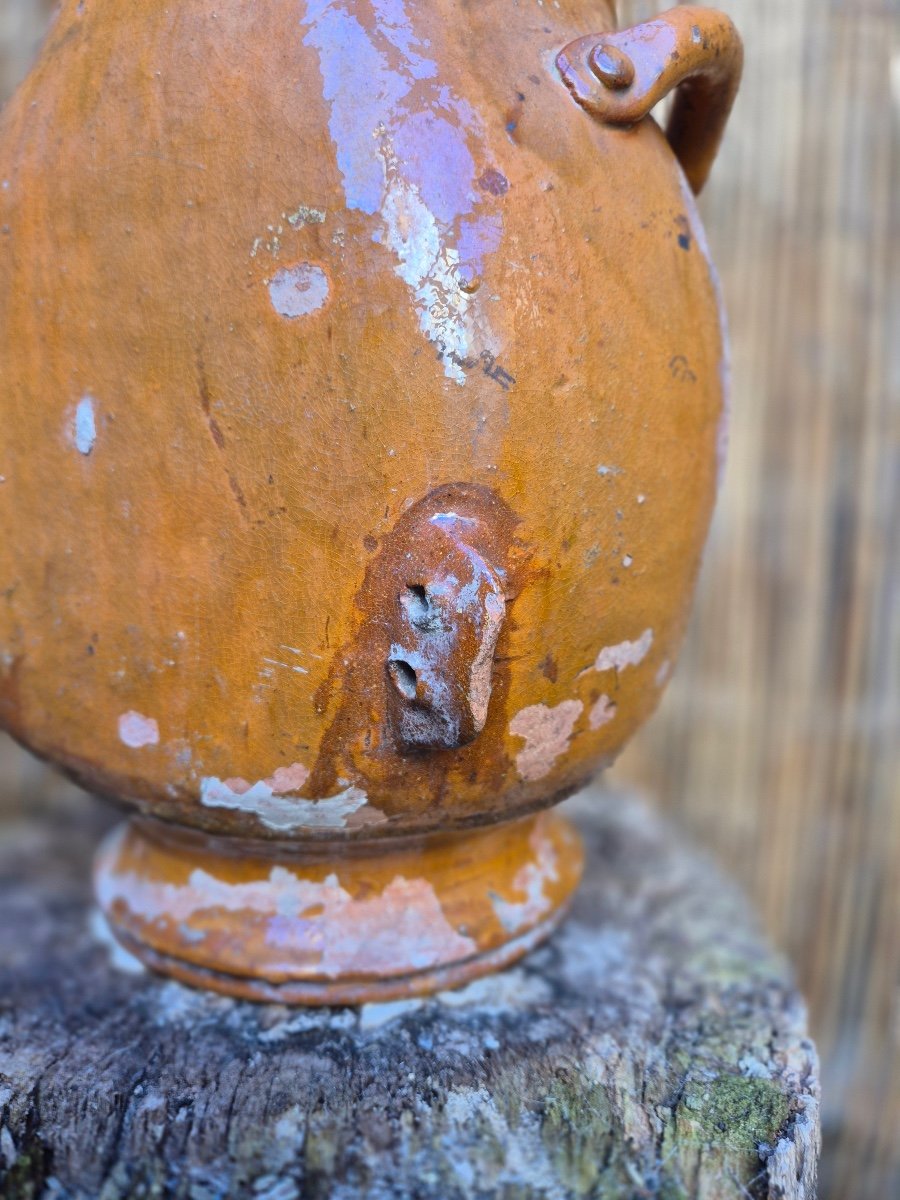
361 396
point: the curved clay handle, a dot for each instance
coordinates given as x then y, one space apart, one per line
619 77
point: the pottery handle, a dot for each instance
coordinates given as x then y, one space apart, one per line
619 77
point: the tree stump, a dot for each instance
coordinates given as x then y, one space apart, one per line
655 1047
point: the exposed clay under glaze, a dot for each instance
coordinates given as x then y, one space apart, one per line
331 927
360 430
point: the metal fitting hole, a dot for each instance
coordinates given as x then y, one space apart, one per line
416 604
403 678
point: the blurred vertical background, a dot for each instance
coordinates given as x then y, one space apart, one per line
778 743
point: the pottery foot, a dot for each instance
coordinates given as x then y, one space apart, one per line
336 924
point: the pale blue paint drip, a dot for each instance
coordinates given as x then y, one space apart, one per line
362 90
395 27
478 237
422 141
85 426
402 149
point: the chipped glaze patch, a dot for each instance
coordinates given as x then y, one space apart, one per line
547 732
264 801
515 916
625 654
85 429
137 731
403 149
299 290
602 713
282 780
483 664
403 928
119 958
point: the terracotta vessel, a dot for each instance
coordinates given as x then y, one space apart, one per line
361 396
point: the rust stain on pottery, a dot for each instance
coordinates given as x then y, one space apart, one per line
362 402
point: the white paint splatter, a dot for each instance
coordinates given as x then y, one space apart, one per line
625 654
299 290
137 731
530 879
281 812
305 216
85 431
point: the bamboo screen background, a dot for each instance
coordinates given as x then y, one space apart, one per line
778 743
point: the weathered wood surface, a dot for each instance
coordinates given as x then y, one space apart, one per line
655 1048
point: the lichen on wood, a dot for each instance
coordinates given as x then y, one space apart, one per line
654 1048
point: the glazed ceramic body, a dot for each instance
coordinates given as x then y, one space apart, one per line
362 403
